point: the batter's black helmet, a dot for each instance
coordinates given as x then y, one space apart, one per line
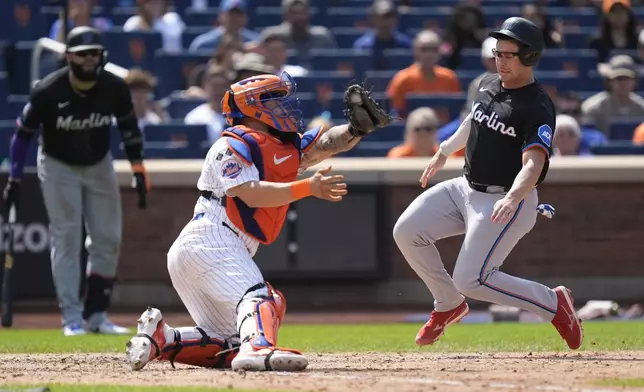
527 34
84 38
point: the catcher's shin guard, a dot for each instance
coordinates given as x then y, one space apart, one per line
202 350
258 321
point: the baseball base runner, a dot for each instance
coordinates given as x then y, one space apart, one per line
508 141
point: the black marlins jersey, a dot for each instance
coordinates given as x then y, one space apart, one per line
75 127
505 123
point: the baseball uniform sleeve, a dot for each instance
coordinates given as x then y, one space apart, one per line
540 132
232 163
127 122
30 118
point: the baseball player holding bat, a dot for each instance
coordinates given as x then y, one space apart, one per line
508 140
74 106
248 180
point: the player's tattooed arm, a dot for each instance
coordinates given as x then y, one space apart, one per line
334 141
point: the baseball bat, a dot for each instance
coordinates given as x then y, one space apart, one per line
7 281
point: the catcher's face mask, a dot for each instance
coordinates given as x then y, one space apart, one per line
269 99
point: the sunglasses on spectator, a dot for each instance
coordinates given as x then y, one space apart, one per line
504 55
425 128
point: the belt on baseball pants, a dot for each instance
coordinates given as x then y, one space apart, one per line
208 195
487 188
222 201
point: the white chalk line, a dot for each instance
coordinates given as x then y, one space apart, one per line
425 380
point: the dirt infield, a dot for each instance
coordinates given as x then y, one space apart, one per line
356 372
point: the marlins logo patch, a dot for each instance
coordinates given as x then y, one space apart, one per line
231 168
545 134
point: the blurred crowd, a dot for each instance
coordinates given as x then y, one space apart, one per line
239 51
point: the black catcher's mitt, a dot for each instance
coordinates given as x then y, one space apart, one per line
363 113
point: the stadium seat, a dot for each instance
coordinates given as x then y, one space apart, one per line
178 108
172 69
132 49
176 135
378 80
192 32
20 68
345 37
349 61
24 20
4 93
205 18
447 106
272 16
15 105
618 148
322 82
623 128
398 58
120 15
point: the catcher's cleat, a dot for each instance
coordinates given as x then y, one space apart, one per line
252 358
149 340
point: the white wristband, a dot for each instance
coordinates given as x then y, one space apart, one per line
444 148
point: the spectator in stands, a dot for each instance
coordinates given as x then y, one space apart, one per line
619 100
274 48
229 51
216 82
384 33
618 29
232 22
424 76
489 64
466 29
153 15
640 46
420 135
302 36
552 30
569 103
80 14
638 135
142 85
323 121
567 139
251 64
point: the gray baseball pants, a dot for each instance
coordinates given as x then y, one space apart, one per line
451 208
73 194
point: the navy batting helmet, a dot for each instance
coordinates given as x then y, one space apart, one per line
82 39
528 36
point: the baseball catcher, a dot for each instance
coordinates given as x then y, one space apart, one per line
248 179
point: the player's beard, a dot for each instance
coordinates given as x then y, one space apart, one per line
83 75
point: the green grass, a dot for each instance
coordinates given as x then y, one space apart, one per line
622 382
508 337
117 388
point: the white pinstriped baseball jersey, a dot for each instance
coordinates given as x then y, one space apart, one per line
223 170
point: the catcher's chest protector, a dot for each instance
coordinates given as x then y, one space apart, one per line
276 162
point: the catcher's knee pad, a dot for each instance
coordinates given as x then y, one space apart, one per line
204 352
259 318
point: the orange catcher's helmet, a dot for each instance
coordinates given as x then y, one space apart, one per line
266 98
